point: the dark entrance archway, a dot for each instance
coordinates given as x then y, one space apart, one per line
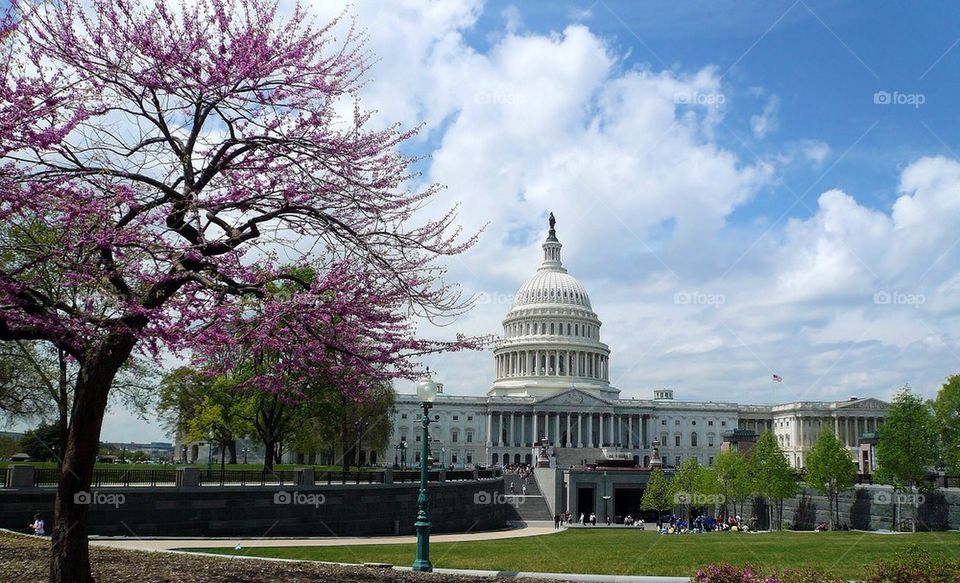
586 502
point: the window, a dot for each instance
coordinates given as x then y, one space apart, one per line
676 440
693 422
710 462
677 422
469 458
710 441
454 436
568 328
693 439
709 423
469 417
453 459
664 422
676 461
469 437
417 458
551 327
456 418
663 439
723 424
418 437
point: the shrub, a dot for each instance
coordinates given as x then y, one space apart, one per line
915 565
725 573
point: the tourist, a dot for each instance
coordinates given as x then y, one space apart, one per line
583 519
640 523
513 489
593 519
38 526
524 487
556 520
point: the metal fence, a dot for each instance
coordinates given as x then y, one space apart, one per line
249 477
49 477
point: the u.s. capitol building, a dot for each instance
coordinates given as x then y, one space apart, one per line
551 381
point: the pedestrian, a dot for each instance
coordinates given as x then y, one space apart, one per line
556 520
524 488
38 526
583 519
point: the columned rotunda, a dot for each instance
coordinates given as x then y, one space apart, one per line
551 383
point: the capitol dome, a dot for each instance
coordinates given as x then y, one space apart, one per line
551 336
552 287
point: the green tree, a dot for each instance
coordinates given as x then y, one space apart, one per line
946 409
732 476
772 476
830 470
43 443
658 495
907 447
688 486
9 445
222 416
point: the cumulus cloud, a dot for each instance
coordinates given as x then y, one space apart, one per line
766 122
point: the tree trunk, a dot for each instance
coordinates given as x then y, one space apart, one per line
70 556
63 406
232 448
269 450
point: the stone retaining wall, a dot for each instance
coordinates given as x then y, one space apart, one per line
337 510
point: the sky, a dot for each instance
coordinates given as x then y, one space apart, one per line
745 188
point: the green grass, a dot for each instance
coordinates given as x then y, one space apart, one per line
631 552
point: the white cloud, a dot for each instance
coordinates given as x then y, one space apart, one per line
644 196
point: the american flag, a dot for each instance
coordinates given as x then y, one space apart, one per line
778 378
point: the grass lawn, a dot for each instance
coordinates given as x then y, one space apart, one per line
631 552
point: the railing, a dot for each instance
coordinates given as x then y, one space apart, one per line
356 477
106 477
5 477
249 477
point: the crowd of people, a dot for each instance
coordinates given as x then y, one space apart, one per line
706 523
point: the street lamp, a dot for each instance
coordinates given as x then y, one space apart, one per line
403 454
245 451
426 393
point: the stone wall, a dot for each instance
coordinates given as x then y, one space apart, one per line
336 510
872 508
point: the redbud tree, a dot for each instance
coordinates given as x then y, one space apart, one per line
172 163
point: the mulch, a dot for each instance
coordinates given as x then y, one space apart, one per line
26 560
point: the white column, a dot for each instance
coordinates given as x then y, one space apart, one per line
630 431
523 428
489 428
567 441
511 437
603 431
579 429
536 428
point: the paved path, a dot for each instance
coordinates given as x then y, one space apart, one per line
158 544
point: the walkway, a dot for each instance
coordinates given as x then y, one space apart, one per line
160 544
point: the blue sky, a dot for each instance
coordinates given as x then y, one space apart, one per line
726 184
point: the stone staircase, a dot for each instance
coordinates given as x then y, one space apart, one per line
529 508
574 456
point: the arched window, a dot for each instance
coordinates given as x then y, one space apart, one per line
551 328
693 439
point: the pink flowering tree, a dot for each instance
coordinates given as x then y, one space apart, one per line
159 159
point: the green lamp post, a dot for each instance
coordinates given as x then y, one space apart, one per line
426 392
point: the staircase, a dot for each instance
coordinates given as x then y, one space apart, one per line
529 508
574 456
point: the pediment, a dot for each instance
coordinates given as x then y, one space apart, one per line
574 398
869 404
